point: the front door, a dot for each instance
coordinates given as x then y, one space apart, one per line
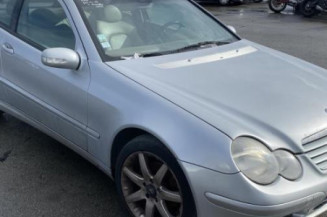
56 98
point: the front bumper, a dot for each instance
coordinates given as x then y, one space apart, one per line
316 212
305 205
233 195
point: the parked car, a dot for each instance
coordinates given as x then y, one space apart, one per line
221 2
189 119
278 6
309 8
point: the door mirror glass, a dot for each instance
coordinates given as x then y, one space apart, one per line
232 28
63 58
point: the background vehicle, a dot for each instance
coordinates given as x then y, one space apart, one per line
279 5
221 2
310 7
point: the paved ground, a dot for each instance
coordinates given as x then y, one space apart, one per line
41 177
295 35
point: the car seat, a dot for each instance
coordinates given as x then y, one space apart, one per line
108 22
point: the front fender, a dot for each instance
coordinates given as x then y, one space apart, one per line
117 103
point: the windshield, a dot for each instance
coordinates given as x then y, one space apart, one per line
133 28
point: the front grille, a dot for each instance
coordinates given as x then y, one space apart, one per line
317 151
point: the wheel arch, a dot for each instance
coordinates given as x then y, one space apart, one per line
124 136
121 139
127 134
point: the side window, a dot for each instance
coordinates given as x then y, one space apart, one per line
45 23
6 11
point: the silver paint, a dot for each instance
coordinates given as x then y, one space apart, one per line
196 110
208 58
61 58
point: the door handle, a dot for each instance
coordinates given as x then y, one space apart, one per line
8 48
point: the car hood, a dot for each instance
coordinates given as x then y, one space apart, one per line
241 89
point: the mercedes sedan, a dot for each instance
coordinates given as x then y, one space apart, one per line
189 119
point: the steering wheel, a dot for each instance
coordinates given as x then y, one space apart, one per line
173 26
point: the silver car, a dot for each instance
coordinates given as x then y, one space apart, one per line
186 117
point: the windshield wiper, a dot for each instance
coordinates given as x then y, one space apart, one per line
204 44
135 56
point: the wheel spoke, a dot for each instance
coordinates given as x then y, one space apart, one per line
163 210
137 196
170 195
135 178
144 188
144 168
160 174
149 209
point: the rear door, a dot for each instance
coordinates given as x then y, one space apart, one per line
56 98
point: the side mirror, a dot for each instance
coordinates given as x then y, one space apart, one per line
63 58
232 28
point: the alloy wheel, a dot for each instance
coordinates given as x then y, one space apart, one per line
277 5
150 188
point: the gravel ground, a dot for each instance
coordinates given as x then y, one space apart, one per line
40 177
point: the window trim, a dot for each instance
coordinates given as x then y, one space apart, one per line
14 23
15 14
107 58
95 41
17 11
19 36
13 29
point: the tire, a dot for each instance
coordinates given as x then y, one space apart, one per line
151 190
306 10
275 6
297 9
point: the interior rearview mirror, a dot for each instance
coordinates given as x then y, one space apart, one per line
63 58
232 28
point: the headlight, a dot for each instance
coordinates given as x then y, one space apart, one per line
289 166
255 160
261 165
